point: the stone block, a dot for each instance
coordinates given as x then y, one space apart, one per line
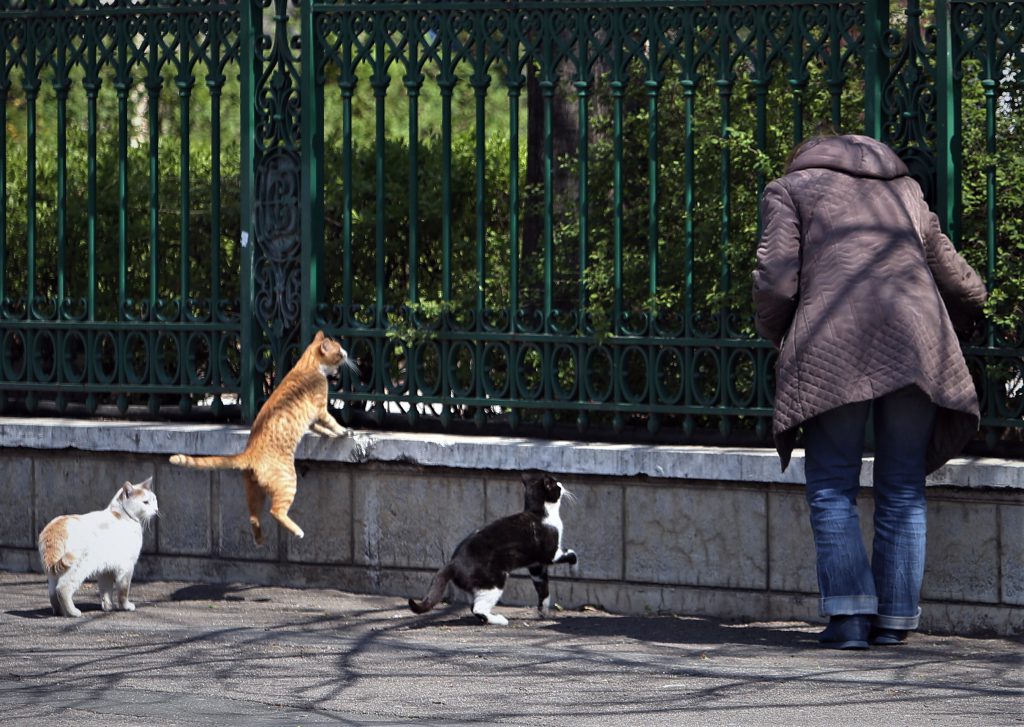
323 509
963 555
185 512
698 536
21 560
233 535
16 527
1011 555
504 496
73 484
963 619
791 556
411 519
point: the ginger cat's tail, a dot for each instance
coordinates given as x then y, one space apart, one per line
232 462
437 587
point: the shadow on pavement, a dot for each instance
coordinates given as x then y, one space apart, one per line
215 592
47 612
682 630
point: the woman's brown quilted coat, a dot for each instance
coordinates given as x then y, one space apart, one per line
856 285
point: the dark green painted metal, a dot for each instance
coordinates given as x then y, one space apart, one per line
85 319
250 16
499 327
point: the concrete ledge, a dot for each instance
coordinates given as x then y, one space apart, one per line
722 464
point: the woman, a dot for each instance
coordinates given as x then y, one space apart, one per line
858 288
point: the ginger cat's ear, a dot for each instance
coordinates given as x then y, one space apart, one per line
318 337
325 346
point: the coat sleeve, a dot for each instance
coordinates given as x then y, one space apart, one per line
777 275
962 289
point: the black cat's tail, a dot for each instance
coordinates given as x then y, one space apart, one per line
437 587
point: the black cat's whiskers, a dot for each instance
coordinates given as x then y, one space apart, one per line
567 494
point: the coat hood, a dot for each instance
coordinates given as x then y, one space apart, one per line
859 156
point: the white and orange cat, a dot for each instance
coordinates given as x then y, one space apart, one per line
297 405
104 544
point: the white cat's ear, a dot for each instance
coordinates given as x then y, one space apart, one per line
147 483
126 489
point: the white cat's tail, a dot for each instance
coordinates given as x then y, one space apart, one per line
231 462
52 547
437 587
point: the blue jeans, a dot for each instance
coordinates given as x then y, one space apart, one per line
889 587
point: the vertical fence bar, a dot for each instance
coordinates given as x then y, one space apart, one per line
618 89
91 84
154 84
990 82
480 82
31 88
62 86
515 87
446 83
582 141
547 86
413 84
215 84
185 83
837 79
653 89
876 65
379 81
725 86
251 22
5 86
312 194
121 83
945 114
346 85
689 84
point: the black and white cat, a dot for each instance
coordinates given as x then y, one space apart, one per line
482 561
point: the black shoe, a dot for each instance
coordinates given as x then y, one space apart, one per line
887 637
846 632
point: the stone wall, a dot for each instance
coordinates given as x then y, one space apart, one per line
694 530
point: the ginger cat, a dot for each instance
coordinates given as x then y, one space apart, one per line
297 405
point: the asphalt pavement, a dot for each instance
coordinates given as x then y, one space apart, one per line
256 656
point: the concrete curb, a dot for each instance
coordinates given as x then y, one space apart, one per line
725 464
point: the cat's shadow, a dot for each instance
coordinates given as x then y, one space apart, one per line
47 612
662 629
213 592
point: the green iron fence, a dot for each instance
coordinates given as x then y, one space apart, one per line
537 216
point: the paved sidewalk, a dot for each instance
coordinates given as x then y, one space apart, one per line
254 656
